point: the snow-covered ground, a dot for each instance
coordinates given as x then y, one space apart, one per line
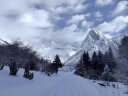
61 84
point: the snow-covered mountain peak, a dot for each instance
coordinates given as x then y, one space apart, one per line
94 41
96 34
93 36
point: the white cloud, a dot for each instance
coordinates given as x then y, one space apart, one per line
114 26
76 19
98 14
103 2
19 19
68 33
64 6
99 19
22 19
80 7
11 30
87 24
88 15
38 18
121 6
17 5
69 9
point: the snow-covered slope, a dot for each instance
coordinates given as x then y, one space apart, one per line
94 41
61 84
48 49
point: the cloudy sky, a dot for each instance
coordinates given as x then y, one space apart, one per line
60 20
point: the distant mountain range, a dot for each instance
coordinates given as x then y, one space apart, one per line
70 53
48 49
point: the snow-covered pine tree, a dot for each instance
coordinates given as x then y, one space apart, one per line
101 65
123 59
80 68
57 63
86 60
111 61
107 75
100 57
105 56
83 67
94 62
86 64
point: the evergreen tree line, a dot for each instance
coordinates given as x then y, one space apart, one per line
16 55
99 66
122 68
105 66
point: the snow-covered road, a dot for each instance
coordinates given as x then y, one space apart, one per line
62 84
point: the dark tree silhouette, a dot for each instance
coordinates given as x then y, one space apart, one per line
83 67
57 63
13 67
111 61
27 74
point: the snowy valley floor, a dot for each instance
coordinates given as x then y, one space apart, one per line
61 84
